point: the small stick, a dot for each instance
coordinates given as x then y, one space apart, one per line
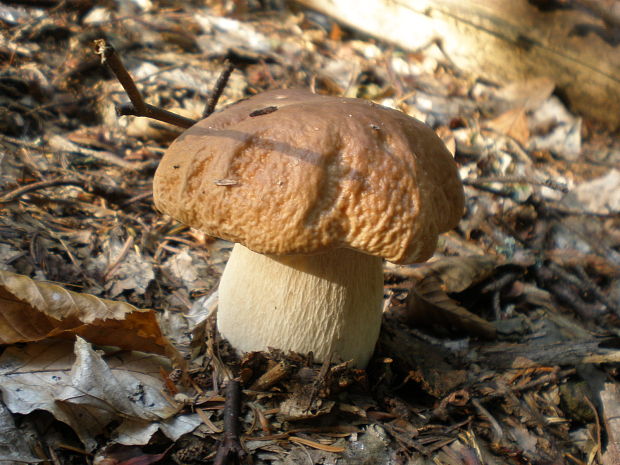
138 107
230 449
16 193
517 180
592 288
111 193
117 261
497 432
219 88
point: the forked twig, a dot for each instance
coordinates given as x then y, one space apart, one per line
138 106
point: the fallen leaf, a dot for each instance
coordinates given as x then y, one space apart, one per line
78 387
14 447
529 94
455 273
430 303
512 123
34 311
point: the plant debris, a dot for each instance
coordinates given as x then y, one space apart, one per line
503 349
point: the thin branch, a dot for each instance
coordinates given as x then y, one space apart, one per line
35 186
230 449
497 431
111 193
219 88
138 107
481 185
516 180
156 113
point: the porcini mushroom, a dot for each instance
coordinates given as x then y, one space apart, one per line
315 191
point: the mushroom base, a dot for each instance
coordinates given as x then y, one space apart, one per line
328 304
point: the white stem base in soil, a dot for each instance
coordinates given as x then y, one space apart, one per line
328 304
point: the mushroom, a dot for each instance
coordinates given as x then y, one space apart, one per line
315 191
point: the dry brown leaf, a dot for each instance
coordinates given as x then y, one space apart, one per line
34 311
455 273
529 94
429 302
513 123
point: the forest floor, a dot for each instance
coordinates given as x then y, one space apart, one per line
502 349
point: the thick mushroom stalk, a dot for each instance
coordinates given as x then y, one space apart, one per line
320 189
329 304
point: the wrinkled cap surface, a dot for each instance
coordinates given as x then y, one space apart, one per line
288 171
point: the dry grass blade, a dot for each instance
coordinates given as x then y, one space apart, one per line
316 445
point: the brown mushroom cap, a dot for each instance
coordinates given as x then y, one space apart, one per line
291 172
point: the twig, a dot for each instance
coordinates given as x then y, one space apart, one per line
591 287
320 381
584 284
113 194
59 143
137 198
574 212
517 180
597 424
138 106
550 208
496 429
117 261
555 279
230 449
35 186
219 88
553 377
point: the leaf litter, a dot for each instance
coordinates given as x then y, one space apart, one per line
518 362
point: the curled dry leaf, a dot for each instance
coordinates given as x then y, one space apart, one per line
34 311
455 273
430 302
89 390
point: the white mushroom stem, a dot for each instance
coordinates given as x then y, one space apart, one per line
328 304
